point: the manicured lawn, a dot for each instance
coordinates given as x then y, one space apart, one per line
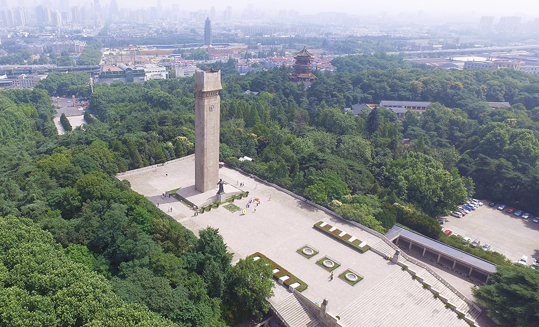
300 251
321 264
231 207
282 272
343 277
354 243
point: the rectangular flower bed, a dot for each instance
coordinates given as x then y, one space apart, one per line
351 279
327 267
341 236
300 251
279 272
231 207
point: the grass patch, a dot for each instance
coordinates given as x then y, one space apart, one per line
321 264
231 207
282 272
300 251
354 244
174 190
343 277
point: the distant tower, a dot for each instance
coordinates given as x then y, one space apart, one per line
207 32
302 67
207 126
212 13
43 15
113 9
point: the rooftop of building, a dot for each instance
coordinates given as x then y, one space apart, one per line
392 103
447 250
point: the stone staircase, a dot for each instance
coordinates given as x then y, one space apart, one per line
453 298
295 314
405 303
382 248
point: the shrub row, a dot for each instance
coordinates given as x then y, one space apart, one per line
344 239
65 123
239 196
282 272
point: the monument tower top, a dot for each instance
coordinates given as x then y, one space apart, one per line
207 126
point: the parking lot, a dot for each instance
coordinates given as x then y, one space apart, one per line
506 233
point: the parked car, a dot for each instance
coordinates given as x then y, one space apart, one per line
486 247
526 216
470 208
456 214
467 239
535 264
501 207
510 210
448 232
464 209
475 243
492 204
523 260
536 220
473 205
518 213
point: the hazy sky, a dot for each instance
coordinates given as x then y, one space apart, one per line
359 7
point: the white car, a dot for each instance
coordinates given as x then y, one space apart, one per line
535 264
523 260
456 214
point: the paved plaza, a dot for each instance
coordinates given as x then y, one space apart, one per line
507 234
282 224
75 115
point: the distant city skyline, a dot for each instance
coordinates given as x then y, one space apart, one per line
524 8
354 7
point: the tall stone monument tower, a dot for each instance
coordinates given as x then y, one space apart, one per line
207 126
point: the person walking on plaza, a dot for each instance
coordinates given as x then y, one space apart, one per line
331 276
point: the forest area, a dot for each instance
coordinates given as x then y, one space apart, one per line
371 168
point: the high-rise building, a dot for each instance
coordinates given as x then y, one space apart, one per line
114 10
6 17
509 24
97 6
56 18
76 15
20 17
485 24
207 32
212 13
43 15
228 13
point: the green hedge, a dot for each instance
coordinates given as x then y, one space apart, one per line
282 272
344 239
65 123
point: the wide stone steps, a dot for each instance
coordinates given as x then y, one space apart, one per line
445 291
383 247
398 301
296 314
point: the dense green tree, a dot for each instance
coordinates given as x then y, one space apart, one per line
510 295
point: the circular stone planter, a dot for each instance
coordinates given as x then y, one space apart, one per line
328 263
307 251
351 277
